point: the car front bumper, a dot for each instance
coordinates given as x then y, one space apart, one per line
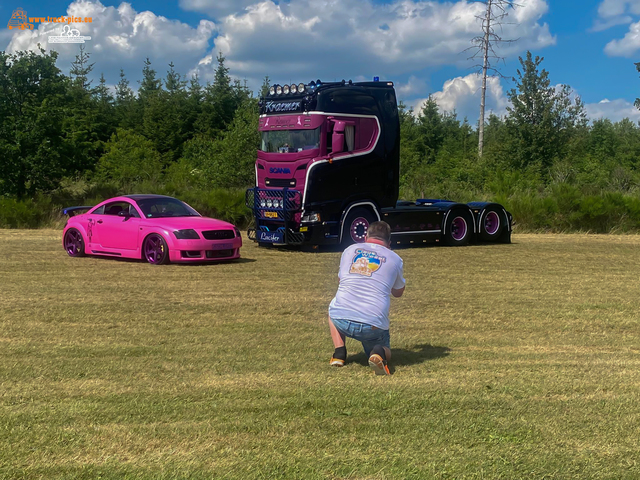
193 251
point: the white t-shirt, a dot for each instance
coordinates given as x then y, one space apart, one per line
368 272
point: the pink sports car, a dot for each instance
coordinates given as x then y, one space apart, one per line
155 228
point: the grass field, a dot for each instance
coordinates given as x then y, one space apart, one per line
510 361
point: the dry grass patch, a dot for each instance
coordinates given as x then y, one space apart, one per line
511 361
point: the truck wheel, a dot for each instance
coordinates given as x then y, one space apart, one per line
355 226
458 228
492 224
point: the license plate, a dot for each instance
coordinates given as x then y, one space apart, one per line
271 237
222 246
271 214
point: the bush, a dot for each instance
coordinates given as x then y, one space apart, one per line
22 213
129 159
224 204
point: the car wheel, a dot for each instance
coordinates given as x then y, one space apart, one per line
155 250
458 228
74 243
356 225
491 224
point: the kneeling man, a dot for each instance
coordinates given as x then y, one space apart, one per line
369 274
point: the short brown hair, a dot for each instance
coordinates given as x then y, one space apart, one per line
379 230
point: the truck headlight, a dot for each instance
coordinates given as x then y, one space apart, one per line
276 203
269 203
263 202
311 218
188 234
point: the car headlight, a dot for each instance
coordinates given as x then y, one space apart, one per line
269 203
311 218
263 203
237 231
187 234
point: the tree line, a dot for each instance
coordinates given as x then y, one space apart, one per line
66 141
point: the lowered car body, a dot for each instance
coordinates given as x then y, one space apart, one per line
155 228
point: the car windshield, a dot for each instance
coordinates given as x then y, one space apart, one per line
290 141
165 207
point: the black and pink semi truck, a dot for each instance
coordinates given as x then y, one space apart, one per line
328 165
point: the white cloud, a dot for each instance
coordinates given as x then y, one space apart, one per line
615 8
216 8
122 38
462 94
614 110
619 12
627 46
331 39
294 40
600 25
414 86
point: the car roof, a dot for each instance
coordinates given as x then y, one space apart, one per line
145 196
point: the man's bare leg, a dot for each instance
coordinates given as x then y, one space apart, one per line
336 336
340 353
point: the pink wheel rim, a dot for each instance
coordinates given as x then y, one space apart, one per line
358 230
458 229
491 223
73 243
154 250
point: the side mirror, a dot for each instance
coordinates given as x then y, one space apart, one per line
337 142
337 138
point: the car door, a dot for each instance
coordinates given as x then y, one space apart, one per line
93 233
119 227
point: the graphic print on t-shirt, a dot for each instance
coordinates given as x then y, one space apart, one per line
365 262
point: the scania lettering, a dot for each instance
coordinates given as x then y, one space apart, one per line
328 166
279 170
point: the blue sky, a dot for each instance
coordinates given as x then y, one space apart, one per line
590 45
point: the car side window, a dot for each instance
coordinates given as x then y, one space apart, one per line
133 212
98 211
115 208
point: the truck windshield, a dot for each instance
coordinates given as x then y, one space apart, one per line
290 141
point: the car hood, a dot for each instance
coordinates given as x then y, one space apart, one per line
197 223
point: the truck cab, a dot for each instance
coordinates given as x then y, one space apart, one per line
328 165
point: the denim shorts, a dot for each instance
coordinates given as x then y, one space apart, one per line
368 335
